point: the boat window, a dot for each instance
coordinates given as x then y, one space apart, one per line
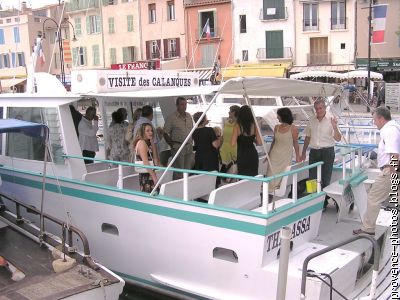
225 254
263 101
21 146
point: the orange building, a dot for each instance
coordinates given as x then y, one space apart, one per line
208 33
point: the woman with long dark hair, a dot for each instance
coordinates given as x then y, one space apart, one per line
245 134
144 149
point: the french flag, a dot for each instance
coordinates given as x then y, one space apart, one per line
379 25
207 30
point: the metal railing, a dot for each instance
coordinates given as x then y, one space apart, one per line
310 24
67 230
338 23
264 180
319 58
276 13
283 52
214 33
172 53
375 272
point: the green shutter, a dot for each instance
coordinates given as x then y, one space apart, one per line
75 56
85 56
98 24
125 54
87 25
274 44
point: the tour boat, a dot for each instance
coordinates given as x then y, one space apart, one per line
233 244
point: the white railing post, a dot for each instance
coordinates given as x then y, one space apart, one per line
347 134
353 162
120 177
344 166
265 197
185 186
319 178
360 158
294 188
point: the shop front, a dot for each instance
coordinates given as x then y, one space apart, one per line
388 67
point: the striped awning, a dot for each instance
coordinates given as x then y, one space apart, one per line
204 74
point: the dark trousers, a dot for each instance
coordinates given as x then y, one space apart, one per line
326 155
87 153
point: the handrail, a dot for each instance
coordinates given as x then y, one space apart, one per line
332 247
265 180
71 229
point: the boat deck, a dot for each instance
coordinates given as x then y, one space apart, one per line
40 281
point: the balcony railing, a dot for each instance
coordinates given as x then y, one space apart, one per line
314 59
172 54
214 33
77 5
310 24
273 13
338 23
155 55
270 53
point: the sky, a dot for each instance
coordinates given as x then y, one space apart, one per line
30 3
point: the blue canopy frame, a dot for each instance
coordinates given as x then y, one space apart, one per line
27 128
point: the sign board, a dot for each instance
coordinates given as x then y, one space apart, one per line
379 64
138 65
106 81
392 95
271 11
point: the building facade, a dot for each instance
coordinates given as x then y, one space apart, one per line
385 54
208 33
107 32
163 32
325 35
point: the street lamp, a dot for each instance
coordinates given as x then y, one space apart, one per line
60 45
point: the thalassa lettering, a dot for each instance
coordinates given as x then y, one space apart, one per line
298 228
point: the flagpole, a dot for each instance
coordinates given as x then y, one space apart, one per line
369 57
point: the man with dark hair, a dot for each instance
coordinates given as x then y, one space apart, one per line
87 129
321 134
176 129
388 162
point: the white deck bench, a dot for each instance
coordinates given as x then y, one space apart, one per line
283 189
107 177
199 186
244 194
131 182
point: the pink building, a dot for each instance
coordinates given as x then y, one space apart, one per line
162 32
208 32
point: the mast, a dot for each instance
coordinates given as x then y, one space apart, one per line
369 56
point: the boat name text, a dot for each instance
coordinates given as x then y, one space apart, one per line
300 227
130 81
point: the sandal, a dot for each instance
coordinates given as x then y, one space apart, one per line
360 231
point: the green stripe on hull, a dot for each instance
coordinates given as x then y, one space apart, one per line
185 215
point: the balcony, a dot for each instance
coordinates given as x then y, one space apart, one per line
267 14
155 55
310 24
338 23
81 5
271 53
214 33
315 59
172 54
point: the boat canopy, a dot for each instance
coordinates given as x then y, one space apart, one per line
27 128
252 86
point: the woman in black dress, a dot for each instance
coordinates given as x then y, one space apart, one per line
245 134
206 144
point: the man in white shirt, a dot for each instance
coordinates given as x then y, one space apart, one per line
388 162
321 134
87 129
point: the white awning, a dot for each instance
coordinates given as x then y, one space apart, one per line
330 68
8 83
311 74
362 74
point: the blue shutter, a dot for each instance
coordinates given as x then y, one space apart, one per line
1 61
2 36
16 34
13 62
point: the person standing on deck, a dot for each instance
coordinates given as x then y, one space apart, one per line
388 162
87 129
176 129
321 133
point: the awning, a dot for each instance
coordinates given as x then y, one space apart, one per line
261 71
363 74
8 83
311 74
331 68
27 128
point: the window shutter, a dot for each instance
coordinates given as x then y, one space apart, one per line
1 61
159 48
75 56
13 60
87 24
124 54
166 52
178 47
147 50
84 56
22 62
98 24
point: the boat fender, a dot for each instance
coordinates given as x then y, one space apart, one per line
60 264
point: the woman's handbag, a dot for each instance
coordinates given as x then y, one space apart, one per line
140 162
